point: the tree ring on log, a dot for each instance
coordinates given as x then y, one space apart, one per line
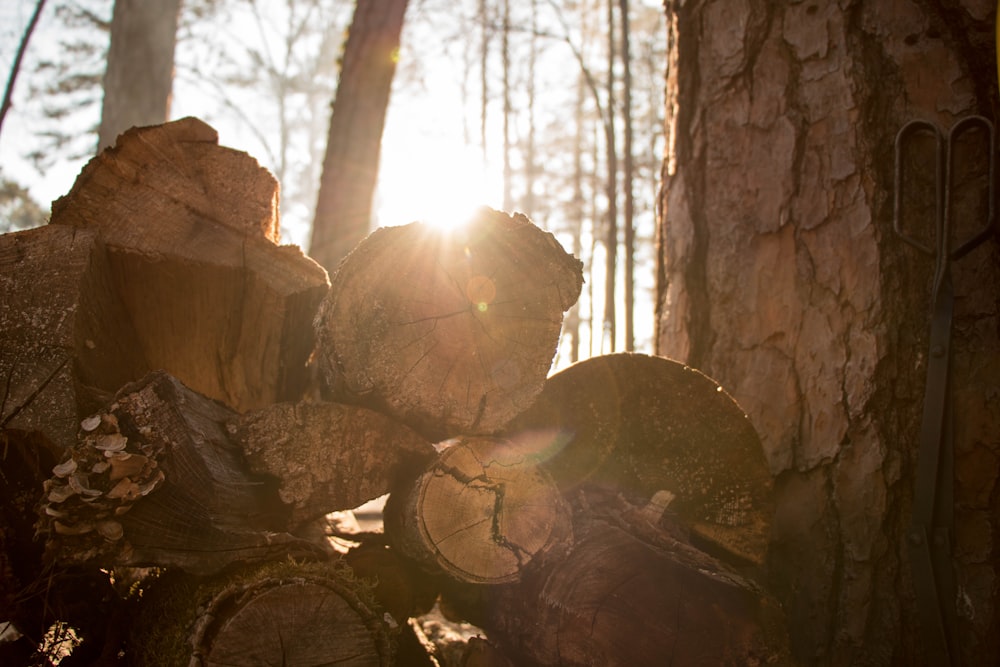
302 620
452 332
482 512
657 430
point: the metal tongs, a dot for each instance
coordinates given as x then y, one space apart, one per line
930 532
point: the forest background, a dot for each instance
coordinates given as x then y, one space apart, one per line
513 105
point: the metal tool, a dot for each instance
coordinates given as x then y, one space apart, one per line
930 533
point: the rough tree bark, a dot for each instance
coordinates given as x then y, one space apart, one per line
350 166
140 72
327 456
780 276
156 480
58 356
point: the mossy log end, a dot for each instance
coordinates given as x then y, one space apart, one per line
481 513
451 332
281 613
649 427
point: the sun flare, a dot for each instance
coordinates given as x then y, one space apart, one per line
438 182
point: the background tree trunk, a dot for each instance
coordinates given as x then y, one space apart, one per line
780 276
140 72
350 167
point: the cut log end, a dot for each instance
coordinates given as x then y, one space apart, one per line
659 432
451 332
280 613
482 513
294 621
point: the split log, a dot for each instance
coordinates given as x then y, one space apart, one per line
155 480
191 229
453 333
628 593
651 427
279 614
481 512
328 456
65 339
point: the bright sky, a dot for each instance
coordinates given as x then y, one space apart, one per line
427 173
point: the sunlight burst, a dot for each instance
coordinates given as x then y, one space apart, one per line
438 182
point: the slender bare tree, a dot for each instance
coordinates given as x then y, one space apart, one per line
15 68
628 215
350 167
140 70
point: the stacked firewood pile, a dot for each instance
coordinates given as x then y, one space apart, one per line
184 402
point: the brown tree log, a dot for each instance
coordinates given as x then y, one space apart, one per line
482 512
328 456
628 593
648 426
191 229
155 480
65 338
451 332
284 613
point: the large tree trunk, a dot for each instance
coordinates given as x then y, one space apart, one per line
350 167
781 277
140 71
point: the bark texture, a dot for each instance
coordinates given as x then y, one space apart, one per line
156 480
629 592
780 276
65 338
326 456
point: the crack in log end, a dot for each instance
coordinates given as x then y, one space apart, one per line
32 396
484 300
485 510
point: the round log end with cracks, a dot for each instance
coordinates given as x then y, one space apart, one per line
452 332
482 512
